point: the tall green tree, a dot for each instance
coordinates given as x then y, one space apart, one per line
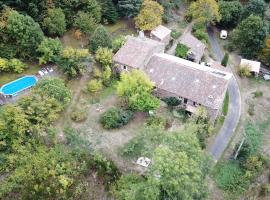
55 23
13 126
254 7
49 50
129 8
231 12
135 87
204 11
85 22
150 15
249 36
25 33
100 38
109 12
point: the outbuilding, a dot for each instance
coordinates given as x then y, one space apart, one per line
161 34
253 66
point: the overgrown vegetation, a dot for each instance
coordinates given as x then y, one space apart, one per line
181 50
235 176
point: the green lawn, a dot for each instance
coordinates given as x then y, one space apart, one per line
7 77
121 27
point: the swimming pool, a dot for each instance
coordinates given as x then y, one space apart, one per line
15 87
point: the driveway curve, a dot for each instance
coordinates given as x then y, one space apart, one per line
226 132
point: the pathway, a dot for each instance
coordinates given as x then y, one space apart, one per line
226 132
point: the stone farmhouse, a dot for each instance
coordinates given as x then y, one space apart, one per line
161 34
192 83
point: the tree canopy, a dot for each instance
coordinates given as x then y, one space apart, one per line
150 15
254 7
205 11
100 38
231 13
249 36
129 8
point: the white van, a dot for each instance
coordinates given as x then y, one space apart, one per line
223 34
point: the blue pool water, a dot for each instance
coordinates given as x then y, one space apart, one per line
14 87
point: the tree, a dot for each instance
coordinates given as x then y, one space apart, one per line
85 22
136 88
249 36
254 7
109 13
168 165
150 15
25 33
54 88
104 56
71 8
100 38
205 11
55 23
13 126
231 12
264 54
129 8
73 61
106 75
49 50
45 173
12 65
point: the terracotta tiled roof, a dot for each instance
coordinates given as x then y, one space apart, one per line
201 84
136 52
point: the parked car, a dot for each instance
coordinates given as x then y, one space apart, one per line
223 34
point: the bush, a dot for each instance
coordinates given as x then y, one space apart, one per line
251 109
94 86
156 121
175 34
100 38
201 35
265 189
258 93
181 50
97 73
79 115
198 26
85 22
118 43
172 101
244 71
104 56
115 118
225 60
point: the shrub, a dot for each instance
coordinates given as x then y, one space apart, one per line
79 115
117 43
225 60
104 56
85 22
97 73
198 26
251 109
175 34
156 121
100 38
253 164
16 65
244 71
106 76
172 101
258 93
181 50
115 118
265 189
201 35
94 86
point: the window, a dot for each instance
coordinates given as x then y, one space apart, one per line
125 67
185 100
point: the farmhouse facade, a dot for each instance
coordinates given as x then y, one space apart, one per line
193 84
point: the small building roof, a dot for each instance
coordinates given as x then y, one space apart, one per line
254 66
195 45
137 51
161 32
201 84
